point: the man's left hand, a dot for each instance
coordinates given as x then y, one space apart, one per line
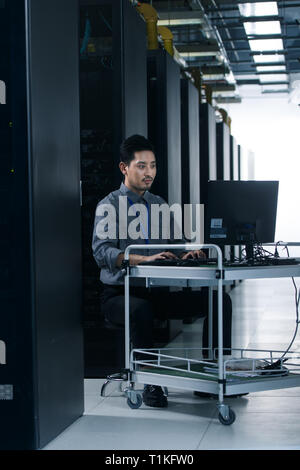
194 254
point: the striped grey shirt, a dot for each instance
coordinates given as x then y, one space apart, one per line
106 251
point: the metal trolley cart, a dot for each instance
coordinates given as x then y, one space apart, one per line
248 371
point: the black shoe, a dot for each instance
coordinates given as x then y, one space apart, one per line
154 396
215 396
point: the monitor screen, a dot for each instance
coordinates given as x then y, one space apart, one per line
240 212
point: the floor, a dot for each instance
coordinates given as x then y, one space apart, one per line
264 317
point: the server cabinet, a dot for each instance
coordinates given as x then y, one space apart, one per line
41 368
234 163
251 165
223 151
164 128
164 131
234 175
190 143
223 165
208 156
113 106
239 161
243 163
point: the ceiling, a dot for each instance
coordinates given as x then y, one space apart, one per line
243 49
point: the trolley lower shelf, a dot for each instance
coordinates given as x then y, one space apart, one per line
248 385
193 374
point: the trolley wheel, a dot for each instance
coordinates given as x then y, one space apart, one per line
136 402
229 420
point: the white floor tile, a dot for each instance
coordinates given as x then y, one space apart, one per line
113 425
262 431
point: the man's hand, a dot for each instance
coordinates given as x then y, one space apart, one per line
134 260
162 255
194 254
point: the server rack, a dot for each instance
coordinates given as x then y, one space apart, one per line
251 165
190 143
164 131
208 157
234 175
164 118
113 106
234 159
223 165
223 151
190 156
41 370
243 164
239 161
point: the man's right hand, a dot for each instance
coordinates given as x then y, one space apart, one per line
137 259
162 255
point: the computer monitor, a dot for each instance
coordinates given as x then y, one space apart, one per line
241 213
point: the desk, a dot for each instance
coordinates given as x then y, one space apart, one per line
185 376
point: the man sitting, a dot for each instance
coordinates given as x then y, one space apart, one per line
138 166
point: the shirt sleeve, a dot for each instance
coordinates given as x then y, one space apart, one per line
105 250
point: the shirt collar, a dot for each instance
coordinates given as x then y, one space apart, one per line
134 196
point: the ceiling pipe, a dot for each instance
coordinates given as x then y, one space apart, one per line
225 117
151 18
167 38
208 93
197 77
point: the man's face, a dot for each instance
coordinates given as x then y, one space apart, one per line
140 174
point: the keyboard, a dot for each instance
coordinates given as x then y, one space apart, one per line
180 262
202 262
282 261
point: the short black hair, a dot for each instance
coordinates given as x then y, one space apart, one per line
135 143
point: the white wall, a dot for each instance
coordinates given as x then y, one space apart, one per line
270 127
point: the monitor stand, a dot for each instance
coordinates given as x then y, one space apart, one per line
249 253
247 237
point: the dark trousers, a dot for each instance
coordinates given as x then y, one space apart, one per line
146 304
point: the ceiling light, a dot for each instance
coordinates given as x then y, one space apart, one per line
230 78
263 27
258 9
273 78
198 54
268 88
268 58
266 44
179 22
250 76
212 77
270 68
177 18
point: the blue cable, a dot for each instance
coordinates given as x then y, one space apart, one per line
87 35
